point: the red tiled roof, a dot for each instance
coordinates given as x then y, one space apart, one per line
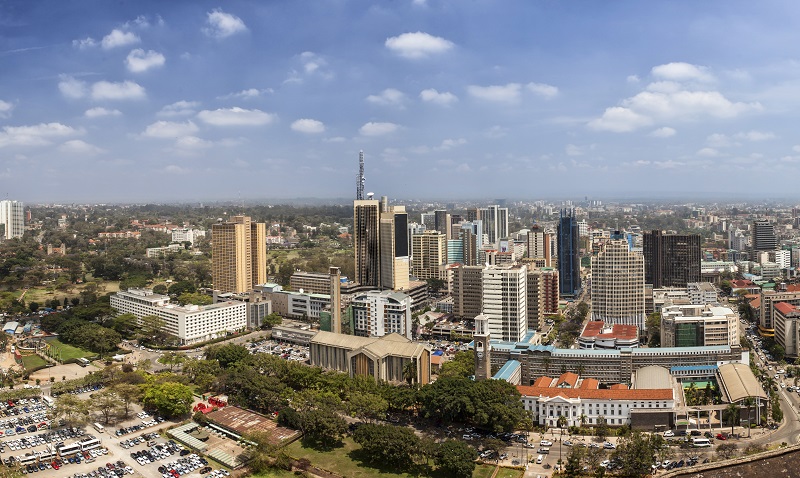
568 377
755 303
793 288
741 283
593 328
629 332
785 308
602 394
589 383
618 386
543 382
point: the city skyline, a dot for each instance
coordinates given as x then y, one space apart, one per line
202 101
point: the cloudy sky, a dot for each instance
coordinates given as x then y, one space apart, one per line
197 101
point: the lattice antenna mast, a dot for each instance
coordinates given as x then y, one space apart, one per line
360 178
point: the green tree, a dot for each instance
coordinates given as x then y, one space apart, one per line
635 454
128 394
653 327
160 289
455 459
172 359
388 445
732 415
171 399
125 324
228 354
574 466
73 410
366 406
107 403
461 365
322 427
33 306
727 451
272 320
195 298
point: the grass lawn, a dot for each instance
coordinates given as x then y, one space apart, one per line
67 352
32 361
42 294
483 471
275 474
509 473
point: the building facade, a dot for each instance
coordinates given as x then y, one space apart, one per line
671 260
698 326
379 313
539 246
569 258
762 237
12 217
505 301
238 254
467 292
366 241
542 296
394 253
618 285
429 251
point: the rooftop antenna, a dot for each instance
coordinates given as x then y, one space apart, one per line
360 178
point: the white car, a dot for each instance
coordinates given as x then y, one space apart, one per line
669 433
545 443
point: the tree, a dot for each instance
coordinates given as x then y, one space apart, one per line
160 289
73 410
635 454
128 394
574 467
601 430
387 444
727 450
228 354
195 298
455 459
732 415
180 287
171 399
366 406
125 324
461 365
653 327
272 320
152 327
33 306
410 372
322 427
171 359
107 403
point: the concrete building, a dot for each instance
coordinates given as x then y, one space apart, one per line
539 246
762 237
238 254
12 218
394 253
698 325
569 259
379 313
671 260
191 323
787 332
542 296
383 358
366 241
598 335
702 293
495 222
768 300
467 291
185 234
618 285
505 301
429 250
155 252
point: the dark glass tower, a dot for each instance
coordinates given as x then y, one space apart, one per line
569 258
671 260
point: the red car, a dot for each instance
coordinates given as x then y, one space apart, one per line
720 436
55 465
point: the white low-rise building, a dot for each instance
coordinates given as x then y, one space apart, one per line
379 313
190 323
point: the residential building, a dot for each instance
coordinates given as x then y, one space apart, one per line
671 260
505 301
394 253
12 218
190 323
569 259
186 234
430 255
155 252
618 285
379 313
781 257
366 241
467 291
768 300
238 254
384 358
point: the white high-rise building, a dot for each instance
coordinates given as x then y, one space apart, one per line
12 216
618 285
505 301
495 223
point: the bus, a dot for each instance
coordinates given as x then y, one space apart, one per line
67 450
48 400
699 442
90 444
83 362
99 427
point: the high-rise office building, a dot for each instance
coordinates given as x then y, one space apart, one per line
542 296
505 301
430 255
539 245
238 254
394 254
441 221
467 291
762 238
366 241
470 245
12 218
618 285
569 258
495 222
671 260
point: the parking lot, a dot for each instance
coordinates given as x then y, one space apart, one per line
284 350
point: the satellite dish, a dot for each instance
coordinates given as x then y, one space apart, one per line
301 291
370 195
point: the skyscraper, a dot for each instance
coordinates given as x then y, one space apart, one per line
495 222
618 285
467 291
429 250
394 254
366 241
671 260
12 217
238 254
569 259
539 245
505 301
762 238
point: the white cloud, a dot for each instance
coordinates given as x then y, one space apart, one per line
543 90
756 136
5 109
175 169
496 132
335 139
236 117
687 104
312 62
192 143
680 71
388 97
170 129
796 148
222 25
139 61
573 150
77 146
708 152
179 108
418 45
309 64
87 42
247 94
509 93
663 132
119 38
35 135
126 90
451 143
444 98
619 120
719 140
71 87
310 126
378 129
632 79
664 87
100 112
463 168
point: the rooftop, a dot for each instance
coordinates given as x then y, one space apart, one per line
597 394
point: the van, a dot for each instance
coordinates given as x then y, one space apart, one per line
99 427
539 459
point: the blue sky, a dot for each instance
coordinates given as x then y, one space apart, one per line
196 101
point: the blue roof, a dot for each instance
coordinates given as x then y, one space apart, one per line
507 370
529 336
438 352
693 367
